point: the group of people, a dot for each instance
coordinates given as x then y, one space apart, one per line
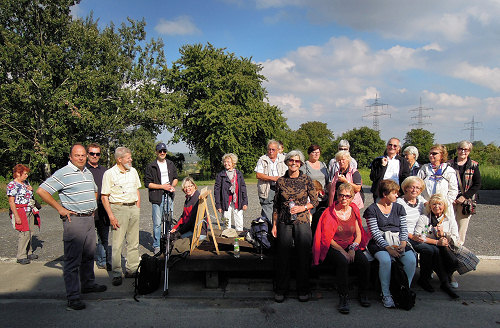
314 208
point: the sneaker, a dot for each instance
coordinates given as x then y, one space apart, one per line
388 302
454 284
24 261
94 289
343 306
75 305
117 281
32 257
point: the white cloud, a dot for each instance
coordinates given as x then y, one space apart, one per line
432 46
481 75
182 25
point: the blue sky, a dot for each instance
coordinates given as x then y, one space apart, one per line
326 60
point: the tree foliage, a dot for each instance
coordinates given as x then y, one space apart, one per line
365 145
66 81
220 105
313 133
422 139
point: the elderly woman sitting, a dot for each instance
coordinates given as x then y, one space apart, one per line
437 230
411 155
185 224
346 174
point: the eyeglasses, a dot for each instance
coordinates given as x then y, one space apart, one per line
163 151
316 152
344 196
392 146
271 149
414 188
434 153
296 161
188 186
94 154
346 149
464 150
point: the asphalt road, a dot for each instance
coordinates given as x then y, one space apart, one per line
482 237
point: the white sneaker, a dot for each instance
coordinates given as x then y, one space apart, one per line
388 301
454 284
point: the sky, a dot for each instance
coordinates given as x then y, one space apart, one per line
328 60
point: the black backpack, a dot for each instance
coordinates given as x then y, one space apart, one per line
403 296
148 275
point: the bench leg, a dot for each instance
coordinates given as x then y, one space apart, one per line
212 279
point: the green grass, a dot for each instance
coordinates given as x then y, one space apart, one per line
365 176
490 177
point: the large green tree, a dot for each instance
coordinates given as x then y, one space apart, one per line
66 81
365 144
220 105
422 139
313 133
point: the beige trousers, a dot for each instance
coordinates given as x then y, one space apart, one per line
128 220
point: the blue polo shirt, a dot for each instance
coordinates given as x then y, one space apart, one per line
76 188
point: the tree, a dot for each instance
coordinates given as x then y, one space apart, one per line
365 145
313 133
422 139
66 81
219 106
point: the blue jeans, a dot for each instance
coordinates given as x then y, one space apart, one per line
157 216
384 272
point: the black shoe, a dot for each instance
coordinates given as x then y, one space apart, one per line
117 281
32 257
109 267
343 304
130 274
94 289
363 300
425 284
447 289
23 261
279 298
75 305
304 298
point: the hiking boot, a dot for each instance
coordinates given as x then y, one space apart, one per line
94 289
343 306
388 302
117 281
23 261
425 284
75 305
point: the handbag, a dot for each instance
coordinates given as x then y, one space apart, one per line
392 238
467 261
469 207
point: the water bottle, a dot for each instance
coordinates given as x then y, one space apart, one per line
291 204
236 250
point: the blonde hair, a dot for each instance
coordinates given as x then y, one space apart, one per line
437 198
411 180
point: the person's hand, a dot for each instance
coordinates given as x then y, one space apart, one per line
18 220
65 212
173 230
442 241
219 210
342 178
274 231
439 231
29 188
401 247
245 207
421 238
114 223
350 255
297 209
459 200
384 161
393 252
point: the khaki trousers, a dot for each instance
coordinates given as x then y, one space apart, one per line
24 246
128 220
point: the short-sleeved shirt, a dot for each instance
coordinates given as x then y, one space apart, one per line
76 188
121 186
20 193
273 167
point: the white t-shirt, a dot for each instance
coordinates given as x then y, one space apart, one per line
392 171
163 171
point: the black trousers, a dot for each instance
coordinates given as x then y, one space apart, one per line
292 239
361 265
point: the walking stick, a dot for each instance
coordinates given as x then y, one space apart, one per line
166 222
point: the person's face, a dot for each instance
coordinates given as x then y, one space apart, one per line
393 147
437 208
189 188
392 196
228 164
78 156
280 149
435 156
293 164
94 155
343 163
413 190
272 151
126 161
22 176
410 158
161 154
344 197
314 155
463 153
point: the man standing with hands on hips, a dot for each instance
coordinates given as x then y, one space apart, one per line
122 201
160 177
77 192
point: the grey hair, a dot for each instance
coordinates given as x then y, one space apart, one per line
186 180
121 152
272 142
232 156
411 150
344 144
465 144
294 153
341 154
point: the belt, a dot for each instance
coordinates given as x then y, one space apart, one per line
83 214
125 204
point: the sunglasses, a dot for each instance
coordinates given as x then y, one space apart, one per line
434 153
296 161
393 145
463 149
344 196
346 149
94 154
163 151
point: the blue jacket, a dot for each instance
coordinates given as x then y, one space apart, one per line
221 190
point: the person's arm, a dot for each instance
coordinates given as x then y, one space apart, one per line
476 184
217 192
13 208
113 221
243 188
355 183
264 177
138 204
47 197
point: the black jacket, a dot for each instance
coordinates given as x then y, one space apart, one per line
377 172
153 175
221 190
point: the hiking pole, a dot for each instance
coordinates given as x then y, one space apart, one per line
167 219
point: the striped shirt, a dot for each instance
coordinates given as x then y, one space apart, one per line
378 223
76 188
121 186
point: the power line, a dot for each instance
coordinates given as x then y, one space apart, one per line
420 115
472 127
376 110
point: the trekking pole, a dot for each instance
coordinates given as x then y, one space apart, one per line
167 219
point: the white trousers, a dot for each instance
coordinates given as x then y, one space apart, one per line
231 213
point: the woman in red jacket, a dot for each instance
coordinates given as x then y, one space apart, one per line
185 225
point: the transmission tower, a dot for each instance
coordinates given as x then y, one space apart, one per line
472 126
420 116
376 110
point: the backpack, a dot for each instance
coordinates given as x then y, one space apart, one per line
259 232
403 296
148 276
